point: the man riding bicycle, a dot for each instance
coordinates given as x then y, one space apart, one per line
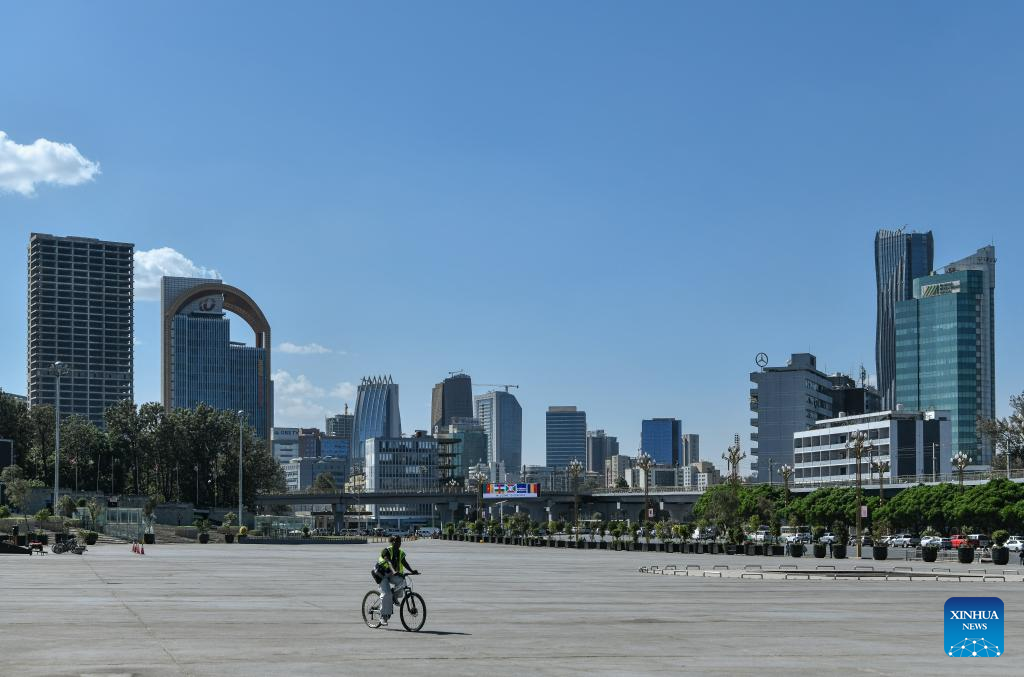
390 566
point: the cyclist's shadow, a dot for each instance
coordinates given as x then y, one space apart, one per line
432 632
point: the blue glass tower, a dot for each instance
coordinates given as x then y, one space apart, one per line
376 414
944 358
661 439
566 436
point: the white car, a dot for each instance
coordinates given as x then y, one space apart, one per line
1015 543
798 538
933 541
827 538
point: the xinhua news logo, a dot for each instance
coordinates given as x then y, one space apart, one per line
974 627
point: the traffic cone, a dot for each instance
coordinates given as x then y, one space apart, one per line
135 547
142 550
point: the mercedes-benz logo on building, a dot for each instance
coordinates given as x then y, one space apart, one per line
761 360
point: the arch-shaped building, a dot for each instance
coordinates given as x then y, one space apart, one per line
200 363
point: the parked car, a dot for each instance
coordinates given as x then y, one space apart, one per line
803 537
865 540
1015 543
904 541
957 540
980 540
428 532
931 541
827 538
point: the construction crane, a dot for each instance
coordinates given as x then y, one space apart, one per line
506 386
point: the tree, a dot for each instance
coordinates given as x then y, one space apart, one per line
323 483
15 425
1007 433
621 483
18 488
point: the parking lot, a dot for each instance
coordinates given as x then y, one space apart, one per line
247 610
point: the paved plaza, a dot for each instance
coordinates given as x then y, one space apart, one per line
243 610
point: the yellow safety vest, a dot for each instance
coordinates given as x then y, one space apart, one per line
386 561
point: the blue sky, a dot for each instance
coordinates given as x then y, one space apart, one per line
613 205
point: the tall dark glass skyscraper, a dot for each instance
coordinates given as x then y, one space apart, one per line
900 258
80 295
566 436
376 415
452 397
661 439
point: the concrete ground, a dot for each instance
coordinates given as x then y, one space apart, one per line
245 610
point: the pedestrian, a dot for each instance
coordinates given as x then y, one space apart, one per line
1022 557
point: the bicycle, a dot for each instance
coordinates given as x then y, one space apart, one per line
411 607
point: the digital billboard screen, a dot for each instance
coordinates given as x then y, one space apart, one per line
521 490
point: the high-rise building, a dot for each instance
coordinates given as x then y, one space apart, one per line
616 468
202 365
785 400
661 439
851 399
900 258
600 447
945 350
502 419
309 442
340 425
451 397
566 436
401 464
80 296
376 415
285 444
462 446
691 448
332 445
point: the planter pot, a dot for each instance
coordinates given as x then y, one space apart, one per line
880 552
759 550
228 538
92 538
732 549
796 549
716 549
204 538
602 545
21 539
150 539
750 549
838 551
819 550
929 554
965 555
1000 556
242 539
778 550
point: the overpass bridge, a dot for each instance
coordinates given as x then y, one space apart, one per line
678 502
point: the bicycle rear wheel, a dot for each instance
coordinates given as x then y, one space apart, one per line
371 609
413 612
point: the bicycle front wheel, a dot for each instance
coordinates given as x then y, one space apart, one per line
371 609
413 612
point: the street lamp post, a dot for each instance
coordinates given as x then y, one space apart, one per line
59 369
881 466
960 461
241 415
857 443
575 468
771 462
644 462
935 470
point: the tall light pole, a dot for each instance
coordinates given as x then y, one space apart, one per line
241 416
935 470
644 462
960 461
857 443
58 370
771 462
575 468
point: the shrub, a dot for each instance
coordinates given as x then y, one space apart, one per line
229 519
66 505
243 530
1000 536
43 515
5 512
817 533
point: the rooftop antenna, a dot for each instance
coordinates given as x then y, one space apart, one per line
863 376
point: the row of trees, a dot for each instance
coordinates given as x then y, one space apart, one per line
184 454
944 508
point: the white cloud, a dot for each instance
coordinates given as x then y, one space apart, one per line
346 391
153 264
298 402
23 167
308 349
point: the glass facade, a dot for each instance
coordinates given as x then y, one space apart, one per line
939 359
502 419
452 398
376 415
661 438
900 258
566 436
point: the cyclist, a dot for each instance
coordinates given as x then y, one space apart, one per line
390 566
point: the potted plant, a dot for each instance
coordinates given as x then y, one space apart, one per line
929 553
243 533
796 549
878 532
965 549
1000 553
203 525
777 549
88 536
842 535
